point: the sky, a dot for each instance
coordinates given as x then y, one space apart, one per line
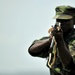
21 22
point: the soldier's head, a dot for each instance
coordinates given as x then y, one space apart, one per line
66 16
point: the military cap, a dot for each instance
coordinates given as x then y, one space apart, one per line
64 12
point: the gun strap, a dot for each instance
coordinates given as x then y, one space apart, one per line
52 56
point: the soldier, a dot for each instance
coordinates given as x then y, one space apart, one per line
59 46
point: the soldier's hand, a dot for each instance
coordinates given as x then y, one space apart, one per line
57 33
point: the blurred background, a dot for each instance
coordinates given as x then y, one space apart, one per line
21 22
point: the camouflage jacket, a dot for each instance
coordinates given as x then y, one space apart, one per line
57 68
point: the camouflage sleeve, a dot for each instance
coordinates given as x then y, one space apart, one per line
44 52
72 49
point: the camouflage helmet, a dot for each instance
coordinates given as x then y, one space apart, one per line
64 12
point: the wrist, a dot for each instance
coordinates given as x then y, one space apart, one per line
59 38
60 42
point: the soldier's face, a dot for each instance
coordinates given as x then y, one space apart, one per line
66 25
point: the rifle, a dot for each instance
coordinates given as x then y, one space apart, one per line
51 60
57 25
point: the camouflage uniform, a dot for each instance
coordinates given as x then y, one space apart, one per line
62 12
58 68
